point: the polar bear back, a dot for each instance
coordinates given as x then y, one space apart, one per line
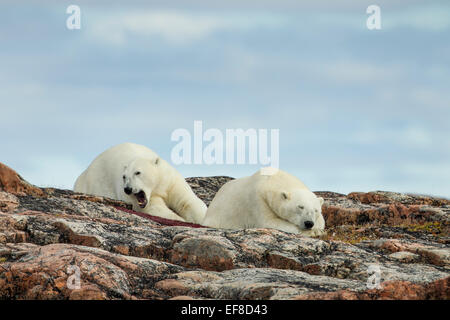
166 193
225 201
101 177
242 203
277 180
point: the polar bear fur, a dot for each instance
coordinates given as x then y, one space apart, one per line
275 200
153 185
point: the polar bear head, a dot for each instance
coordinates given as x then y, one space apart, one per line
140 178
302 208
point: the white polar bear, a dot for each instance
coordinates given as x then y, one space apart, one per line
267 199
137 175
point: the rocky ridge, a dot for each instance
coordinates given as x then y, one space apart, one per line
46 234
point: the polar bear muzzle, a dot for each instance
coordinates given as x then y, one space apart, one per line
309 224
141 199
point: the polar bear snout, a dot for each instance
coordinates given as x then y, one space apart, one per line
139 195
127 190
309 224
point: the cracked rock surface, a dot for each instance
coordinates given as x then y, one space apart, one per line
49 236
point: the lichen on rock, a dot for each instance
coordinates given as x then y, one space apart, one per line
45 233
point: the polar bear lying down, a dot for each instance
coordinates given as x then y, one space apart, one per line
267 199
135 174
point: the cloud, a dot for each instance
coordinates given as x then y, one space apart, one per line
409 136
173 27
176 27
431 98
356 72
422 17
430 17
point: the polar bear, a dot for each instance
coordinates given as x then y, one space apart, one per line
267 199
135 174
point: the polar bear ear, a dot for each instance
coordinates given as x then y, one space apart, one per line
157 161
321 200
285 195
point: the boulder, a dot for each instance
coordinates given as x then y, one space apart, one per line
57 244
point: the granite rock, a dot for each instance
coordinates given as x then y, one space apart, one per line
57 244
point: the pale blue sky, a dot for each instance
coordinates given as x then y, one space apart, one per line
357 110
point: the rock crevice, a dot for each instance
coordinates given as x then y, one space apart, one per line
46 234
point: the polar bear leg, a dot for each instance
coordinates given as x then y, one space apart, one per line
313 232
193 211
186 204
283 225
159 208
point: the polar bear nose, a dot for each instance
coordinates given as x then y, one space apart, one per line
309 224
127 190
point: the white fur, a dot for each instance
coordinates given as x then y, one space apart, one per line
167 193
277 200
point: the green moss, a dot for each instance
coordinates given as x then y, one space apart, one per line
435 227
351 235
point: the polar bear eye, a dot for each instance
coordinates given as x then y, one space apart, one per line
137 173
301 207
123 177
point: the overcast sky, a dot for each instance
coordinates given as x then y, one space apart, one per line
357 109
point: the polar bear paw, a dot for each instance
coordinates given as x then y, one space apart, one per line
314 233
